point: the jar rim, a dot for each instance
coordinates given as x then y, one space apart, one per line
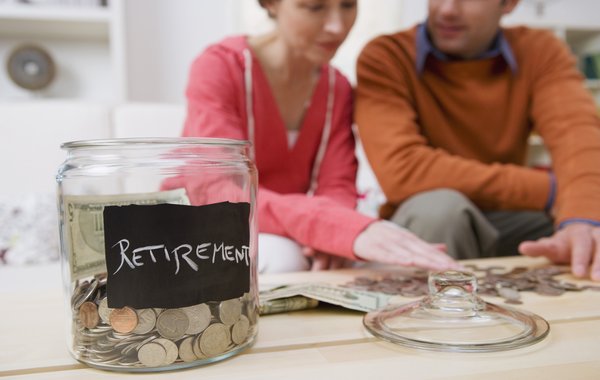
99 143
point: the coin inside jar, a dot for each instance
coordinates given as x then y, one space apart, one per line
172 324
215 339
88 315
230 311
146 321
152 354
123 320
239 331
186 350
199 318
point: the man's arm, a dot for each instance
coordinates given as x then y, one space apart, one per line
566 117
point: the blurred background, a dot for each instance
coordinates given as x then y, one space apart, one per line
95 69
140 50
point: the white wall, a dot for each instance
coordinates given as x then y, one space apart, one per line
149 52
163 37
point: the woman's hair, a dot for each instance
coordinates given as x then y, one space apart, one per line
264 3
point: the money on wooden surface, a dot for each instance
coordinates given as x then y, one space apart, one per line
337 295
493 281
284 305
84 225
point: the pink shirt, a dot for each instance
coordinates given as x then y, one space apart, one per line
216 96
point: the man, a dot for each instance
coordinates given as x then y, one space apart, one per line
444 111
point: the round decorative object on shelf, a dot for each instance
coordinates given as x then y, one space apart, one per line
31 67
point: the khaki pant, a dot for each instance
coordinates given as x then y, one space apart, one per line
446 216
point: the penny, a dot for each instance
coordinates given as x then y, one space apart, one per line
123 320
152 354
88 315
146 321
239 331
170 348
199 317
172 324
186 350
230 311
215 339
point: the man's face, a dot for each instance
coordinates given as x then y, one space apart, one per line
465 28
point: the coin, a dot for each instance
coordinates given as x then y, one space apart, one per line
509 294
215 339
152 354
88 315
104 310
86 294
170 348
196 347
199 317
186 350
146 321
172 324
123 320
239 331
230 311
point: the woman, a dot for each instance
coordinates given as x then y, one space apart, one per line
278 91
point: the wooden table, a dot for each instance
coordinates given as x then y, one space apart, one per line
323 343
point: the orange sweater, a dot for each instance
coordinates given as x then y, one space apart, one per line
464 125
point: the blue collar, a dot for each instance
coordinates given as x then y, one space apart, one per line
425 47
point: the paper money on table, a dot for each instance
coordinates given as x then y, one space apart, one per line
284 305
84 225
337 295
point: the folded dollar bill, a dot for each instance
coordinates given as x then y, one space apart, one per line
353 299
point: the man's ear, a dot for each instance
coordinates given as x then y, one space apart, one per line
508 6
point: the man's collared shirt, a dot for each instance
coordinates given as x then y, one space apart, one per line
425 47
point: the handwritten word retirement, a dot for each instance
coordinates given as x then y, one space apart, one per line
184 254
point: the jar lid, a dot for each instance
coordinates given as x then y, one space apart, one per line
133 141
453 318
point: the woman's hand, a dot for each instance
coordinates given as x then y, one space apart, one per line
324 261
387 243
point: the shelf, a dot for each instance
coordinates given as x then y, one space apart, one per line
55 13
56 21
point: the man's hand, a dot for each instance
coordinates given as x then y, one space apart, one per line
577 243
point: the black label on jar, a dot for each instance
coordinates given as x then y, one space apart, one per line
172 256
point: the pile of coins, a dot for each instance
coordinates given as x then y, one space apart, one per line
154 337
493 281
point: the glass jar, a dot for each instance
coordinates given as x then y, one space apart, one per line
158 250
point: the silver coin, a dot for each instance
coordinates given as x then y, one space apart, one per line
152 354
172 324
199 317
186 349
509 294
196 347
146 321
170 348
215 339
104 310
86 294
239 331
230 311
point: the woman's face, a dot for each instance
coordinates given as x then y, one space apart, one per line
314 29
